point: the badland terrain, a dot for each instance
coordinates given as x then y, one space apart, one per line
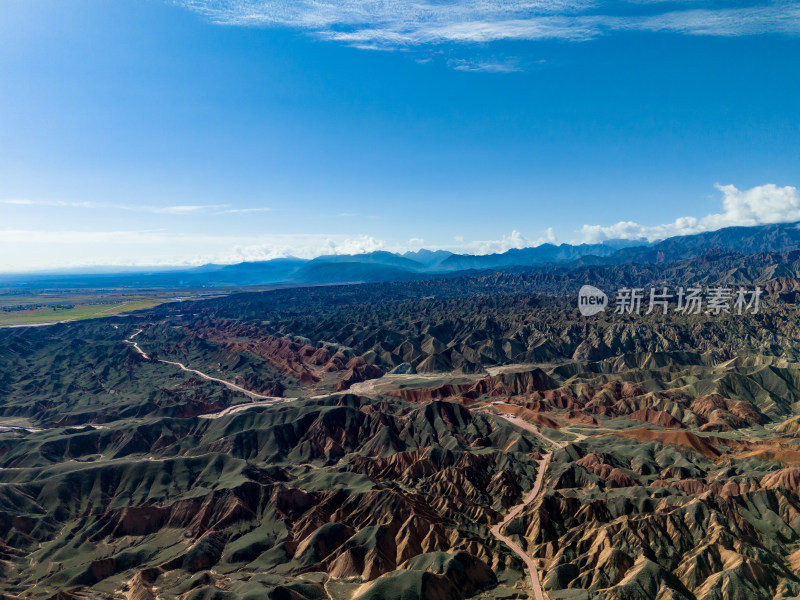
421 435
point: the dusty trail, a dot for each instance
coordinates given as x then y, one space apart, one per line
496 531
136 345
528 427
242 407
264 400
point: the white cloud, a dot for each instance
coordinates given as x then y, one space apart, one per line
245 211
515 240
403 23
507 242
282 246
486 66
183 210
757 206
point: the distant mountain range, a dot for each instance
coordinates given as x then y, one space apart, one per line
386 266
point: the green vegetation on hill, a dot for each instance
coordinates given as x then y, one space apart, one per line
316 485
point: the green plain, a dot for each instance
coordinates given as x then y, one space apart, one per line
79 312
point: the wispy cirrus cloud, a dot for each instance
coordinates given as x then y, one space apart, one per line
408 23
28 202
180 209
183 209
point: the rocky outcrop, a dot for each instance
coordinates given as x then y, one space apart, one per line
656 417
357 371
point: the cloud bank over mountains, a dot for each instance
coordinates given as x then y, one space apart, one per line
760 205
408 23
34 249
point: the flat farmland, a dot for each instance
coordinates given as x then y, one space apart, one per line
38 310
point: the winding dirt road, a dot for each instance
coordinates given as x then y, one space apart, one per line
496 531
136 345
264 400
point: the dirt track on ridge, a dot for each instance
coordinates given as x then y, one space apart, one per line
263 399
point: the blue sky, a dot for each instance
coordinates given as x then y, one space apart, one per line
158 132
